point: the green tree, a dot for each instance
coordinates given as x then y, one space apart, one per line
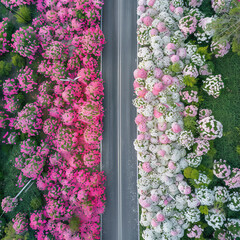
18 61
23 14
36 203
227 27
5 68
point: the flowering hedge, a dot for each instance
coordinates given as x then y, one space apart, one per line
62 127
174 131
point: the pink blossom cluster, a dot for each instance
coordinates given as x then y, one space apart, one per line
20 223
11 103
15 3
209 128
25 42
189 96
233 181
8 204
56 50
191 111
202 146
195 3
220 49
221 169
45 35
220 6
27 79
92 41
4 42
44 98
188 24
10 87
194 232
29 119
3 118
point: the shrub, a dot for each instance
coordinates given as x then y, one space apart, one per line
175 68
23 14
11 234
238 149
20 98
36 203
191 173
5 68
204 51
236 46
189 81
18 61
190 124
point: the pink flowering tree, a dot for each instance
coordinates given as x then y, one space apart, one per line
33 166
25 42
20 223
12 103
209 128
233 181
56 50
221 169
27 79
8 204
92 41
5 35
29 119
37 220
10 87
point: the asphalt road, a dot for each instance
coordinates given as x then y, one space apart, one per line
120 220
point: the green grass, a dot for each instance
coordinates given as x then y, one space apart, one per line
226 108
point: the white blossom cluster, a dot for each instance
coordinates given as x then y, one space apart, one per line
213 85
164 195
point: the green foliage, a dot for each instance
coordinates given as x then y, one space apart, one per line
74 224
227 27
206 170
236 46
238 149
5 68
21 98
191 173
203 209
36 203
189 81
1 176
2 225
208 232
9 30
18 61
175 68
204 51
212 152
23 14
211 66
190 124
11 234
80 15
